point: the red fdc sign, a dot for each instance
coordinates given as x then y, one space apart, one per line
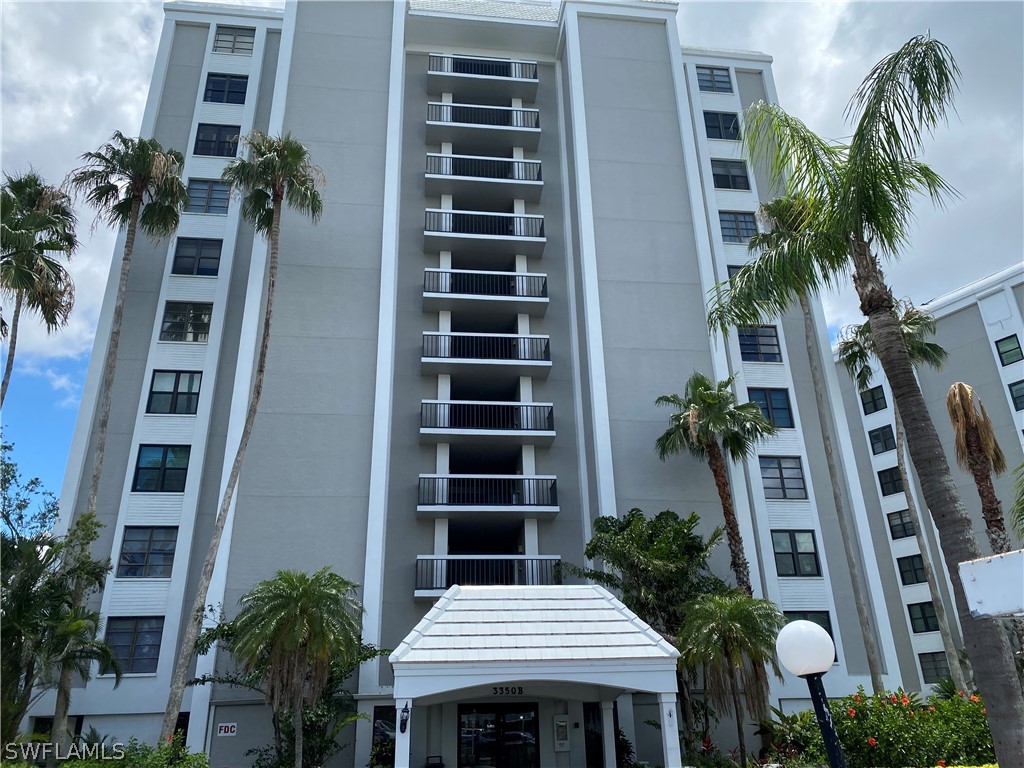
227 729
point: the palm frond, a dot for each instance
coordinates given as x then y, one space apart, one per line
1016 515
969 418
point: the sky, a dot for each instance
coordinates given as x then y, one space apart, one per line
73 72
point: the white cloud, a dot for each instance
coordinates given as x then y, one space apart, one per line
67 385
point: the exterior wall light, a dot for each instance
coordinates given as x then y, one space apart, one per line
403 719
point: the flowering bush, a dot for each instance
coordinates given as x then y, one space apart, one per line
891 729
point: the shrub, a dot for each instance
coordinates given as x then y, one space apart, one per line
173 754
891 729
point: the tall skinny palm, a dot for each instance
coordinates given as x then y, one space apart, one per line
709 424
978 452
276 172
734 636
863 194
38 227
782 219
855 352
290 631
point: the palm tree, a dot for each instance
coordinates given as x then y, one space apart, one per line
862 194
708 419
1017 506
38 225
781 219
733 634
855 353
290 631
278 171
978 452
133 184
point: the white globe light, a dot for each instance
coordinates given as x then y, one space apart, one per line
805 648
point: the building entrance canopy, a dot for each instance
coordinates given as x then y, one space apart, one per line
571 637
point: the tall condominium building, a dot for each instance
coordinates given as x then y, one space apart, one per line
980 327
526 205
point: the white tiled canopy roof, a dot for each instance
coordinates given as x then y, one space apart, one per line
481 625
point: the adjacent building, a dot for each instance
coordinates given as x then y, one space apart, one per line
526 205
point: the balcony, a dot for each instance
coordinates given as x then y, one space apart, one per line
513 495
478 127
483 353
475 77
490 181
471 420
436 573
480 291
483 233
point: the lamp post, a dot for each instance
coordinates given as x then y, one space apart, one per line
807 651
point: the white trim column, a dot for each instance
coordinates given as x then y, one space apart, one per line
608 732
403 740
669 729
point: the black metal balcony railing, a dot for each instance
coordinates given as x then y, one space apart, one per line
483 167
494 224
465 65
497 416
486 284
488 491
486 571
473 114
486 347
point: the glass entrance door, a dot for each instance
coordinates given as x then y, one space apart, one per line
498 736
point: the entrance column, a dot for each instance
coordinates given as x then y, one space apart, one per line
403 732
608 732
669 729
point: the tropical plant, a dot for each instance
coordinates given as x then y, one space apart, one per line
38 227
291 630
782 219
733 635
861 195
709 424
855 351
1017 506
656 565
978 452
276 172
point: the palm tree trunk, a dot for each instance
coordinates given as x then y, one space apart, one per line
19 298
195 619
686 694
110 361
860 600
737 558
956 671
297 725
991 508
737 707
988 647
59 735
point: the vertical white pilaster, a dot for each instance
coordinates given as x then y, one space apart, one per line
608 733
403 741
669 729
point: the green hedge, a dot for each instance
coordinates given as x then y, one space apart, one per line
891 729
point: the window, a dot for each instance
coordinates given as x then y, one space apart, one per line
759 344
174 392
1017 395
737 226
889 481
195 256
821 618
795 553
217 140
1009 350
922 617
783 477
135 642
207 196
911 570
722 125
161 468
733 270
934 667
873 400
226 89
730 174
147 553
882 440
900 524
774 404
714 79
186 321
234 40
